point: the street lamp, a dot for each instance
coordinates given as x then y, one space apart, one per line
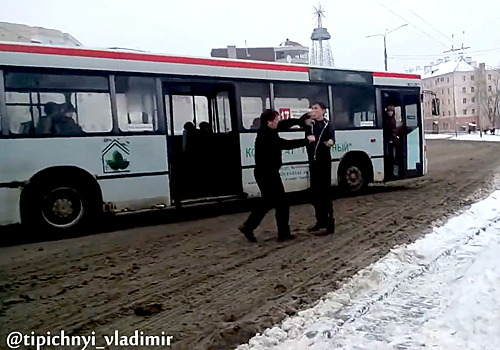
385 44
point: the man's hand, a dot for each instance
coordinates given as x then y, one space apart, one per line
329 143
311 138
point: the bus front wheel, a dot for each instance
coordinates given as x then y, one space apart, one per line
59 208
352 177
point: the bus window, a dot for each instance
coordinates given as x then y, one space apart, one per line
21 114
51 97
353 107
293 100
411 114
183 110
57 104
136 104
189 109
254 99
201 108
90 105
223 113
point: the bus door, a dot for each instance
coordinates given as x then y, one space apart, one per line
413 162
203 141
402 136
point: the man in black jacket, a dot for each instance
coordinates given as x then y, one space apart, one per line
320 167
268 146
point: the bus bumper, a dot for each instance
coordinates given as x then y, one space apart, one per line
10 205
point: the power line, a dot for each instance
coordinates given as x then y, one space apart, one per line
404 19
475 52
430 25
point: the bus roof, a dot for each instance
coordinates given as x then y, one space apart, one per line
122 60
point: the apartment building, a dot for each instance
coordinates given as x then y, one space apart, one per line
287 52
459 95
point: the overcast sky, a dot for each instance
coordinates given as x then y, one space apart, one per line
194 27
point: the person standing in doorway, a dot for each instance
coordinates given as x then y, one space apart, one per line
320 168
391 141
268 147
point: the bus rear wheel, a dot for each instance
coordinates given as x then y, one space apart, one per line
59 208
352 178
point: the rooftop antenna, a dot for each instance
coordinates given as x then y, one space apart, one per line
459 50
246 49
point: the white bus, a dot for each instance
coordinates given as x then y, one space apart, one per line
88 131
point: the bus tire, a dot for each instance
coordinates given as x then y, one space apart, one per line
61 208
353 177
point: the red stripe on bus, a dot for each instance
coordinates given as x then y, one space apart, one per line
117 55
395 75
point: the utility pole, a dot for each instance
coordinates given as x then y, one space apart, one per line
457 49
454 105
385 41
461 49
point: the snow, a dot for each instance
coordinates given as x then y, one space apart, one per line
456 65
437 136
465 137
477 137
440 292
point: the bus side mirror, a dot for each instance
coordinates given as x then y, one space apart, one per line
435 106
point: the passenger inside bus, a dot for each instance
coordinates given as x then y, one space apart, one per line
64 122
255 124
45 124
58 120
188 136
205 128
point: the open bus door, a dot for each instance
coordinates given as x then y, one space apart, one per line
203 141
404 159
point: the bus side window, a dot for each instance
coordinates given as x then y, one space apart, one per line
29 93
188 108
136 104
223 113
353 108
293 100
254 99
22 114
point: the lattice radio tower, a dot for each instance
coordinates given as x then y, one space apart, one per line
321 52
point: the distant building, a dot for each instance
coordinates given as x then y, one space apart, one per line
26 34
459 95
287 52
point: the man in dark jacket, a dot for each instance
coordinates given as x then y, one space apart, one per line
268 147
320 167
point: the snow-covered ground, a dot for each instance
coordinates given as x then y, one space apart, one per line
441 292
464 137
438 136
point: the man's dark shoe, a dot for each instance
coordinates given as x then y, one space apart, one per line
316 227
331 226
287 237
248 233
328 230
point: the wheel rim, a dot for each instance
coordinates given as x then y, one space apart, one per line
354 178
62 207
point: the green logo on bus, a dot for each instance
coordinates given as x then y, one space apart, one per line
115 155
117 162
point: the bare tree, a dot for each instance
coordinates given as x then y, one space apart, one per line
489 98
